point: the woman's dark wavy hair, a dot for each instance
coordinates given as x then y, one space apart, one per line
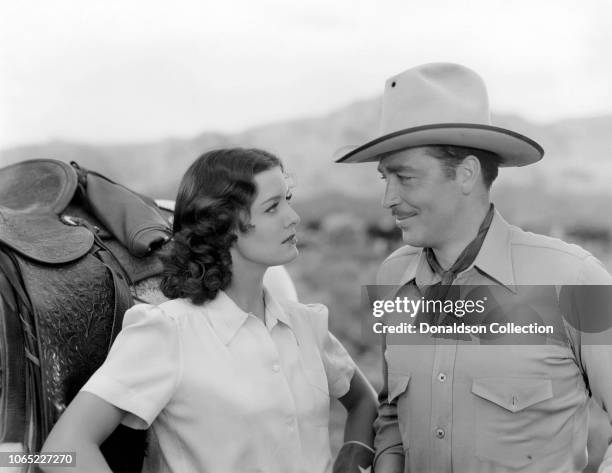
213 202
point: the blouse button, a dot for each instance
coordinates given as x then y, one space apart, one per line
440 433
276 367
441 377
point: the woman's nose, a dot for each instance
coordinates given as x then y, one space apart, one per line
293 218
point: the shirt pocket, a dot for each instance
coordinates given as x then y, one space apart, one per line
511 420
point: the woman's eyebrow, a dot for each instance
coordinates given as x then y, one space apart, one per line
275 197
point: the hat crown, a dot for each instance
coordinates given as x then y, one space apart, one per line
433 94
441 104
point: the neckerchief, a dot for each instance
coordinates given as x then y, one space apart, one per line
440 290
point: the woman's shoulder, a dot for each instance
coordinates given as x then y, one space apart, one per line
170 312
301 315
300 309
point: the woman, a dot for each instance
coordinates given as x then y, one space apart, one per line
228 378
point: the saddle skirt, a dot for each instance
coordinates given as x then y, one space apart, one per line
32 195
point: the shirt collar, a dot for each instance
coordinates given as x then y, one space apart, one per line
274 312
419 271
494 258
495 255
227 318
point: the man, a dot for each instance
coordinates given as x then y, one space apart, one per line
447 405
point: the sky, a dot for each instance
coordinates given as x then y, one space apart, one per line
131 70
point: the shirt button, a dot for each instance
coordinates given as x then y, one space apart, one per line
441 377
290 424
440 433
276 367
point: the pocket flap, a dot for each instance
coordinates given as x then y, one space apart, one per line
513 394
398 382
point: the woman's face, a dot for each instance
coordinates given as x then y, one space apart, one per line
271 238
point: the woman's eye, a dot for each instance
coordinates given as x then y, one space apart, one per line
272 208
288 197
383 177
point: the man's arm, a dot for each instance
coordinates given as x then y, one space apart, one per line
592 340
597 360
388 445
360 405
389 457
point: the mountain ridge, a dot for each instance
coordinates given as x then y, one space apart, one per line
576 158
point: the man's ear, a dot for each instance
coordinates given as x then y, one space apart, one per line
468 174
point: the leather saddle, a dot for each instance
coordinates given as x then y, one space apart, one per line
72 245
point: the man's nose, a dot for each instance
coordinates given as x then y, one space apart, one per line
391 197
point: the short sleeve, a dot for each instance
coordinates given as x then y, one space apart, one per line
338 364
594 272
142 368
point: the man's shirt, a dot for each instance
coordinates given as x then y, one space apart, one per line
449 406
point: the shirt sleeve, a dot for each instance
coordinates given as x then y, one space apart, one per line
142 368
338 364
387 439
593 341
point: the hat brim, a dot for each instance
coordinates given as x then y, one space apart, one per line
513 148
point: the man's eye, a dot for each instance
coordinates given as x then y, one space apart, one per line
406 178
288 197
383 177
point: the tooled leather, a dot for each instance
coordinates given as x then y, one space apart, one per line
74 306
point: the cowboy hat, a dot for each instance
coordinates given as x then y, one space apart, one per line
441 104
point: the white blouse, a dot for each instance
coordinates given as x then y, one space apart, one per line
224 392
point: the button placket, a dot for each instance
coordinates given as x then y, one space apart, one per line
441 402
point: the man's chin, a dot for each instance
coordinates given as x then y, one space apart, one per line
411 239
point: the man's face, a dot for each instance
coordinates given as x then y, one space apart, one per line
423 199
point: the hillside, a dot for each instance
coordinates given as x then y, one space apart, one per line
575 172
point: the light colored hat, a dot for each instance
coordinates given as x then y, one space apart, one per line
442 104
